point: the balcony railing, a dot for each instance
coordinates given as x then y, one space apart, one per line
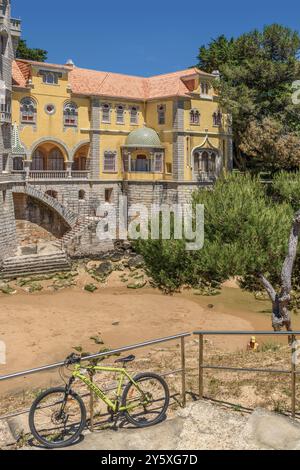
50 175
206 176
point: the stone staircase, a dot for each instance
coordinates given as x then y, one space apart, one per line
78 229
34 264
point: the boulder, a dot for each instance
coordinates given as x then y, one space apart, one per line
135 262
104 269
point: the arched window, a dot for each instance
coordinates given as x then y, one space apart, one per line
3 43
204 88
28 111
70 114
50 78
133 115
203 163
161 110
120 114
81 195
56 160
195 116
106 113
217 118
212 162
38 161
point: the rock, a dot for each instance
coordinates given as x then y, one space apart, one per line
6 437
137 285
115 257
274 431
19 426
115 323
90 288
104 269
135 262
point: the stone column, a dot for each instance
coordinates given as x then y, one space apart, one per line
178 140
95 138
69 169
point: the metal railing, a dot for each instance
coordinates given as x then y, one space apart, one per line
292 371
123 349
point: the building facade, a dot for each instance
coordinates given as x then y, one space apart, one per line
73 138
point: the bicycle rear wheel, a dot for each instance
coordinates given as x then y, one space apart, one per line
57 419
146 404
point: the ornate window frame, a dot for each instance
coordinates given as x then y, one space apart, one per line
134 115
106 108
110 154
70 114
50 77
195 117
26 114
120 114
161 114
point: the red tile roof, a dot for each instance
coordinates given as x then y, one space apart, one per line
114 85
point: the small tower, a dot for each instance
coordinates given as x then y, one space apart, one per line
10 32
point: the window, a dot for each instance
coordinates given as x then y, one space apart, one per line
56 160
50 109
108 194
217 119
158 163
28 111
38 161
109 162
106 113
50 78
52 193
204 88
203 163
161 110
18 164
70 114
133 115
120 114
81 195
195 117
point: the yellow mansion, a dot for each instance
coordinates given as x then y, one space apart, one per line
83 124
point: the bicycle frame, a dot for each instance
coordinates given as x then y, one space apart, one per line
113 405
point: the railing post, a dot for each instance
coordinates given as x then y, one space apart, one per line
293 375
201 346
183 372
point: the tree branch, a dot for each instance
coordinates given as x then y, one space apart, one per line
288 265
268 286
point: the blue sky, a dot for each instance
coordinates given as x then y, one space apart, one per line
141 37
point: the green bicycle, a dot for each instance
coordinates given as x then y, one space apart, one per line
58 416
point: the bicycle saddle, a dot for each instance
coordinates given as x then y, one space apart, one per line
126 359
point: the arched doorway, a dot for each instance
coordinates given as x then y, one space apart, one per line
48 157
81 159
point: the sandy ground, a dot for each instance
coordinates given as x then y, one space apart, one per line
43 328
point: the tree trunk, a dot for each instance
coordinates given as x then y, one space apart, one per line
280 301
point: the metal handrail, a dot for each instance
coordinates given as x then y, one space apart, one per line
94 356
292 371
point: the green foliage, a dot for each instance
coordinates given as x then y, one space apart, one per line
25 52
90 287
257 71
246 233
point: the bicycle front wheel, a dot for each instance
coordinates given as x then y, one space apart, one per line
146 402
57 419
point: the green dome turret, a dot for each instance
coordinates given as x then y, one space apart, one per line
144 137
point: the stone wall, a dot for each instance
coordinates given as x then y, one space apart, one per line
8 237
34 211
